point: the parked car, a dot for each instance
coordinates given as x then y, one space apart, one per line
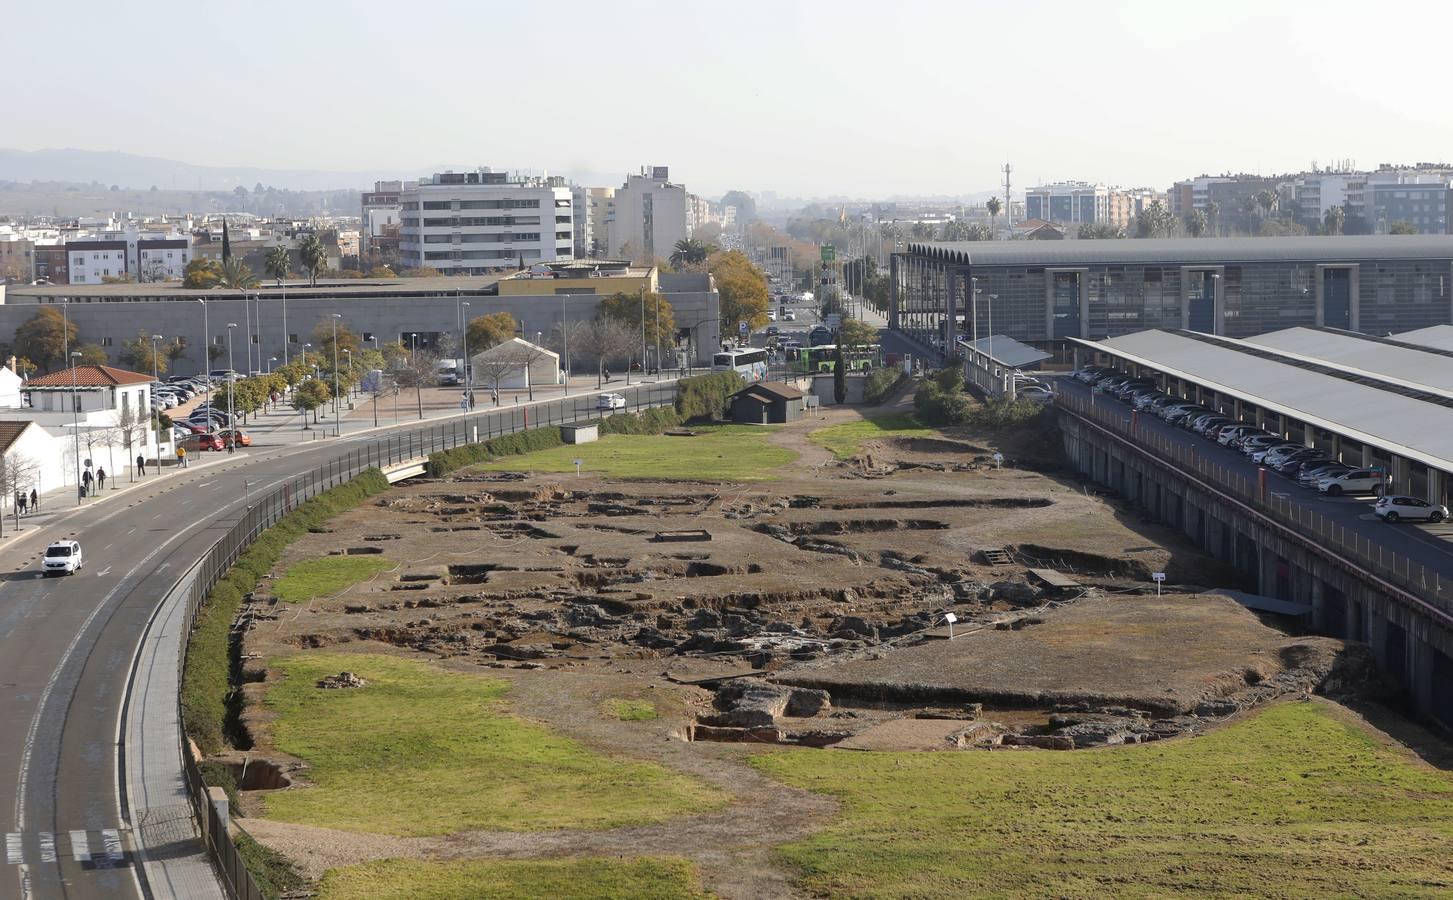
610 402
242 438
199 442
1311 473
1292 463
62 558
1268 453
1259 442
773 330
1396 507
1353 481
789 316
1035 394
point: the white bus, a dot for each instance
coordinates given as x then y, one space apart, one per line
748 362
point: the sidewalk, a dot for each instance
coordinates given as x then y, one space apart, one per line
60 504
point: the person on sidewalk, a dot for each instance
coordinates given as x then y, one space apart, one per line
34 500
20 501
87 479
182 457
140 464
100 478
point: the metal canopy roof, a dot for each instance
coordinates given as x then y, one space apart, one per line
1439 337
1006 351
1364 354
1378 416
1190 251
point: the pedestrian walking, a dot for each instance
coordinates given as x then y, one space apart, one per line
20 501
607 376
140 464
34 500
100 478
182 457
87 479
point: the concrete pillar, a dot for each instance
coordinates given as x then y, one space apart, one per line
1309 435
894 300
1236 409
1402 476
1336 446
1437 484
1366 457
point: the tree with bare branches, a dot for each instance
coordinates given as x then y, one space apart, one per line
17 476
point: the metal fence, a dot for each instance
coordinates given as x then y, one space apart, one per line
265 509
1412 581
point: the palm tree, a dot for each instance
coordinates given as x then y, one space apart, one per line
237 276
1267 201
314 257
277 263
995 207
1196 223
691 252
922 231
1213 217
1335 219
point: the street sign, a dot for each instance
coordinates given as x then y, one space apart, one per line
742 327
1158 578
829 253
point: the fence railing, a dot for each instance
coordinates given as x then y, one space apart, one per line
1419 584
265 509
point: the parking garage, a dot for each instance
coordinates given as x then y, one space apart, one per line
1360 400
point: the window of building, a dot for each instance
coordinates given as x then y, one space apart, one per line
292 338
105 342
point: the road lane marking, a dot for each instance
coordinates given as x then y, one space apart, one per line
111 845
105 571
13 848
47 846
80 846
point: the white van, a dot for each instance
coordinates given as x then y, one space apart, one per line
62 558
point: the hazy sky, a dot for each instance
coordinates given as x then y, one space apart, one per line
804 98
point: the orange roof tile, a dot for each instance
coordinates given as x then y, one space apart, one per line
89 376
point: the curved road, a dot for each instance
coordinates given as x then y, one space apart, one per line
66 647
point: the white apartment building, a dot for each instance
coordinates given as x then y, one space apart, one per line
583 232
474 223
602 213
382 207
146 256
651 215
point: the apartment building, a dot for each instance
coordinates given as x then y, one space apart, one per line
651 215
1372 202
1082 203
601 210
133 250
382 208
475 223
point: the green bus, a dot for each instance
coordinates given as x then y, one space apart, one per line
823 358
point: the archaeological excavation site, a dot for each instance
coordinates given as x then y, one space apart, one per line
912 600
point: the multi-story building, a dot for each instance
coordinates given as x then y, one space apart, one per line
17 256
474 223
143 255
381 207
651 215
601 209
1236 287
1081 203
1232 204
584 232
1373 202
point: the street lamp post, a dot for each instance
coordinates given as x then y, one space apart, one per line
337 414
231 382
155 377
206 360
565 343
75 359
468 373
376 385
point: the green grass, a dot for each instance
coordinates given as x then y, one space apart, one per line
273 872
1292 802
846 440
423 751
632 710
326 576
575 879
725 453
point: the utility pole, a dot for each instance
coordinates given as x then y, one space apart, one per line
337 414
565 343
155 376
231 385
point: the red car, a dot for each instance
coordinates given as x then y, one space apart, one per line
242 438
205 442
193 427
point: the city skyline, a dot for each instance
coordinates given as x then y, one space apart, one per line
788 98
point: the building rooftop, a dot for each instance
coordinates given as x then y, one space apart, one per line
1380 414
173 290
1365 354
1208 251
1439 337
88 376
772 389
1007 351
10 432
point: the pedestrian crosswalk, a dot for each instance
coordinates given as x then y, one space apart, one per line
94 849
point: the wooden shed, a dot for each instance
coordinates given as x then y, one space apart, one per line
767 403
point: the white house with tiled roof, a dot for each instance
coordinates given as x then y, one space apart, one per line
102 411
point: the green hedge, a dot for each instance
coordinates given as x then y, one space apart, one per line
704 397
651 421
880 383
210 703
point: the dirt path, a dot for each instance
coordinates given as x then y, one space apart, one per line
732 846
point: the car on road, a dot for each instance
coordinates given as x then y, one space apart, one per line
610 401
773 331
62 558
1396 507
789 316
771 315
1353 481
198 442
242 438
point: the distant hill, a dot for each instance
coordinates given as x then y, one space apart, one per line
127 170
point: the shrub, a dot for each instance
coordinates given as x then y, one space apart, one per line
880 383
209 702
704 397
1002 413
651 421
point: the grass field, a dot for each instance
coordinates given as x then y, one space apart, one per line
1292 803
724 452
565 879
631 710
846 440
326 576
423 751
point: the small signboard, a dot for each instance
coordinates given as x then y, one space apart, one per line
829 253
742 327
950 618
1158 578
